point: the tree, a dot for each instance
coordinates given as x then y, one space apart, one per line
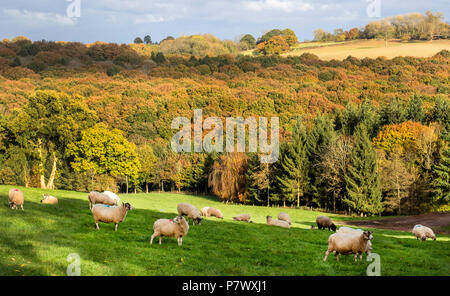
290 37
441 182
249 40
269 35
147 40
101 151
362 179
147 160
138 40
276 45
293 180
259 176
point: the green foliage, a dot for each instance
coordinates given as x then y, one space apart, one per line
138 40
441 182
249 41
113 70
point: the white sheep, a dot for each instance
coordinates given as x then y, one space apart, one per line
284 217
348 243
48 199
113 196
15 198
349 230
279 223
177 227
100 198
185 209
110 214
209 211
243 217
423 232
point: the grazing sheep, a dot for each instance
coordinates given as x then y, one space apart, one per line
423 232
113 196
243 217
208 211
349 230
185 209
15 198
313 227
284 217
177 228
100 198
48 199
279 223
346 243
110 214
325 222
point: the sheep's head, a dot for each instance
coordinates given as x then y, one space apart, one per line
198 220
178 219
269 217
44 197
127 206
367 235
333 227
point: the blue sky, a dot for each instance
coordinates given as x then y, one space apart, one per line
122 20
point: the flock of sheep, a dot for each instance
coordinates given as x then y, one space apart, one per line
105 208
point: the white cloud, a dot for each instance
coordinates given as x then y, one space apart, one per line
38 17
149 18
285 5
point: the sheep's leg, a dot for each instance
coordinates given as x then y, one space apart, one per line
160 239
356 255
21 206
153 236
326 255
115 228
337 256
360 257
96 226
180 241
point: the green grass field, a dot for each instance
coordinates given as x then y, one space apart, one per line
38 241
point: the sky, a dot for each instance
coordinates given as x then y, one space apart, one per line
121 21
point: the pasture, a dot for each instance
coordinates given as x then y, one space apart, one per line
38 240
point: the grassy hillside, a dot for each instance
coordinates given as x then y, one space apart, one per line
38 240
371 49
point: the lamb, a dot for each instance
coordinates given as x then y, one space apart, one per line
113 196
284 217
110 214
48 199
100 198
243 217
177 228
15 198
349 230
348 243
279 223
185 209
325 222
208 211
423 232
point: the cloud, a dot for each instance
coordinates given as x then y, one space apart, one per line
38 17
149 18
285 5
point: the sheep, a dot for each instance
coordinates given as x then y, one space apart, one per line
15 198
348 243
48 199
423 232
243 217
113 196
325 222
208 211
110 214
177 227
349 230
279 223
100 198
313 227
185 209
284 217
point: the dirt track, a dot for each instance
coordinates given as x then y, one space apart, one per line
437 221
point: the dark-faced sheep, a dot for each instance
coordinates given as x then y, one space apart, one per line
110 214
325 222
185 209
423 232
15 198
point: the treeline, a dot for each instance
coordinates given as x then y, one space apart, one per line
346 126
412 26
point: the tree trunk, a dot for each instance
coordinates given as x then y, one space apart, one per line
334 202
146 187
51 179
126 178
41 164
298 198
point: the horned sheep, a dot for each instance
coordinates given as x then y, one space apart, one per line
279 223
177 227
15 198
110 214
185 209
349 243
